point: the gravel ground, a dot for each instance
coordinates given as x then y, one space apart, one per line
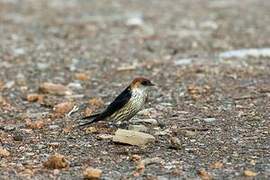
216 108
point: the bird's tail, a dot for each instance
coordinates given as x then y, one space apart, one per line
93 118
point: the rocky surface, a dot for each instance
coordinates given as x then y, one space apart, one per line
209 59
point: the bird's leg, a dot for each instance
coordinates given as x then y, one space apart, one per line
112 125
123 125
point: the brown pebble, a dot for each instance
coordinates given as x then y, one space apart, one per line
92 173
56 161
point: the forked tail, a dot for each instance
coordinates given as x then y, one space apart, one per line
93 118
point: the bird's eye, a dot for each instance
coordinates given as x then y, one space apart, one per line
146 83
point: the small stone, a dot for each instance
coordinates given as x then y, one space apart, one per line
97 102
209 120
149 121
155 160
127 68
35 124
39 115
132 137
18 137
56 161
135 21
163 133
139 128
4 152
19 51
35 97
56 171
189 133
63 108
244 53
8 127
41 146
216 165
147 112
74 85
91 130
181 62
53 127
176 143
104 136
92 173
204 175
81 76
42 66
250 173
9 84
141 164
136 158
56 89
255 118
54 144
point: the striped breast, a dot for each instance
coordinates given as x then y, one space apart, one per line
135 104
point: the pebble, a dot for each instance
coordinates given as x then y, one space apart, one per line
189 133
4 152
92 173
56 161
75 85
82 76
34 97
132 137
18 137
163 133
149 121
175 143
53 127
56 89
9 84
33 115
104 136
209 120
8 127
250 173
244 53
135 21
42 66
147 112
63 108
139 128
182 62
19 51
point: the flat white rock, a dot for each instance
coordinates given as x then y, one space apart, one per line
132 137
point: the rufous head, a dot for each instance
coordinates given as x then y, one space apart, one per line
141 82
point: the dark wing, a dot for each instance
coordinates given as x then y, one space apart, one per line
117 104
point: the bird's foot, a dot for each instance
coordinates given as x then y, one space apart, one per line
123 125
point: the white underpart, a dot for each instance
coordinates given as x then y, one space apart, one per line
134 105
138 97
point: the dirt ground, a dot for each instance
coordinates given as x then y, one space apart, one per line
218 109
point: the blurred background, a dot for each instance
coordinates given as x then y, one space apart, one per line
210 59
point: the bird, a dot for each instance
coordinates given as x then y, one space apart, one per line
126 105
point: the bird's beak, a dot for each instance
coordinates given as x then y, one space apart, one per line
151 84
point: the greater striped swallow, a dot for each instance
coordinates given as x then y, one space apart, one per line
126 105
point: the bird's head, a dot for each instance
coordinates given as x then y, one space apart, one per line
141 83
